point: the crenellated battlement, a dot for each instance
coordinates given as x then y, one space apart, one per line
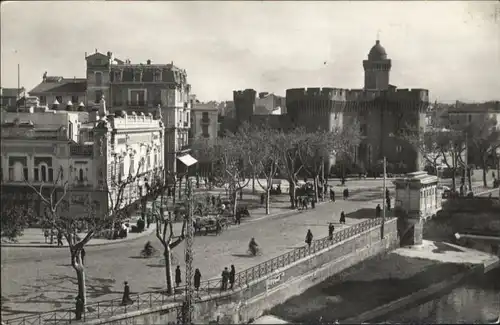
247 93
325 93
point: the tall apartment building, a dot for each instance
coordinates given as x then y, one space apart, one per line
128 87
87 150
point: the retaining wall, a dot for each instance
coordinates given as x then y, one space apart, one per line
251 300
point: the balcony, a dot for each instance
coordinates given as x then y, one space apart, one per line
137 104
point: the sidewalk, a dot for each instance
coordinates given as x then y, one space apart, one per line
33 237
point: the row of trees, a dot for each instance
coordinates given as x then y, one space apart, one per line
449 146
263 152
54 214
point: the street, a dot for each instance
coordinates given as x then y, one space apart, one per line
36 280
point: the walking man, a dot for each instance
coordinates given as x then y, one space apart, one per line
331 229
178 276
225 279
309 238
59 239
82 255
378 209
197 279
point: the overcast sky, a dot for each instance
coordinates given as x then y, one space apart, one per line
450 48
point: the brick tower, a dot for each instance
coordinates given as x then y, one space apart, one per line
377 68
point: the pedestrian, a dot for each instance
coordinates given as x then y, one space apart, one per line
238 218
296 200
213 200
325 189
59 238
232 276
309 238
342 218
387 194
126 295
313 203
388 201
346 194
197 279
178 276
262 198
46 235
225 279
331 229
82 255
300 203
377 211
304 203
79 308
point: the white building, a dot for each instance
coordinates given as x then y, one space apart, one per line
90 153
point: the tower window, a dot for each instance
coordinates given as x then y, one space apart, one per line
98 78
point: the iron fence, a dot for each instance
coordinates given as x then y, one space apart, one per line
213 287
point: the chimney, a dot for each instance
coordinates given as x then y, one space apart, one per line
148 62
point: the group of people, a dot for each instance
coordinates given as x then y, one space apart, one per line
228 278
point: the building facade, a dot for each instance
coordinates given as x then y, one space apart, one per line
10 97
91 153
127 87
381 110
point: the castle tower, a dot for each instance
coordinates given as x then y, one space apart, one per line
98 69
377 68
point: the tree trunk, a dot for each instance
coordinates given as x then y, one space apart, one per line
253 184
469 178
268 190
485 184
291 190
316 188
167 254
235 200
80 277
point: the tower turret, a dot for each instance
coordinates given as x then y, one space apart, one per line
377 68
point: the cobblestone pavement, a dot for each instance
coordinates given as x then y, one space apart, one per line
36 280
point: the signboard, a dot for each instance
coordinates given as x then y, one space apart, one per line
274 280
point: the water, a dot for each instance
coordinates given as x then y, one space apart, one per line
476 301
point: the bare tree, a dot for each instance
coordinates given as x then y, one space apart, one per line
58 216
262 153
428 144
165 230
485 139
288 146
229 160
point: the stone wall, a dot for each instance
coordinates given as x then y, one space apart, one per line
250 301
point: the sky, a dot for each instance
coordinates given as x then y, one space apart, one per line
450 48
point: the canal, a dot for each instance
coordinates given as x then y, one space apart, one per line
475 301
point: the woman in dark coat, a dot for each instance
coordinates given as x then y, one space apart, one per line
126 295
232 275
178 276
197 279
342 218
309 237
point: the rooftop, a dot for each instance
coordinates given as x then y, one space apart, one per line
56 84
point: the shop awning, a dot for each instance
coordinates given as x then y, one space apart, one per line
187 160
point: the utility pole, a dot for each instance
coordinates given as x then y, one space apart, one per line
466 163
18 86
383 204
188 302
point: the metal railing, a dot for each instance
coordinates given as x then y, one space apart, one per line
213 287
